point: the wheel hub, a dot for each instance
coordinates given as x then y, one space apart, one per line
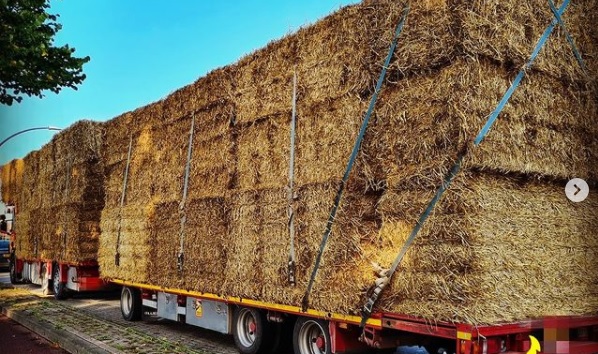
320 341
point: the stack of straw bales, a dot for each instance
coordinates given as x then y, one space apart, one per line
504 243
12 180
61 196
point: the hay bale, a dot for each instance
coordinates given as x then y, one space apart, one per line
263 153
217 88
486 263
12 180
507 32
212 167
133 242
326 134
205 245
59 218
264 80
530 136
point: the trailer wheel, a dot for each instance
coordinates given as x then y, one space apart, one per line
311 336
59 288
12 269
251 331
282 341
130 304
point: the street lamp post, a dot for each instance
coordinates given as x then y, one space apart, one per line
28 130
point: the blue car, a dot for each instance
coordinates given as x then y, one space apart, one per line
4 253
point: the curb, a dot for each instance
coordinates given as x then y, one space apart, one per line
69 340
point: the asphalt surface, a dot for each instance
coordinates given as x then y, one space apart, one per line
15 338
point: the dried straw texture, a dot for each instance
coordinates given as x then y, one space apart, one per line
507 31
454 62
12 180
127 229
59 217
496 249
205 244
439 114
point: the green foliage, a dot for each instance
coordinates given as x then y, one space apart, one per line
29 61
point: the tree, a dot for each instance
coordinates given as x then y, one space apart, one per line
29 61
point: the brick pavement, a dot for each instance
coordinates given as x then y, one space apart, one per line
88 326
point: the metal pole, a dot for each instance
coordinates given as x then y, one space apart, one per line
28 130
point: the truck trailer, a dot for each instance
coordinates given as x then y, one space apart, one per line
447 227
261 327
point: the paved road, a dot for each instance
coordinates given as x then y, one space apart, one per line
15 338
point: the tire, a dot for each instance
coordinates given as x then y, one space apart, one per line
282 336
59 288
130 304
251 331
311 336
12 269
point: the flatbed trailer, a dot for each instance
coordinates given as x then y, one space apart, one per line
262 327
58 278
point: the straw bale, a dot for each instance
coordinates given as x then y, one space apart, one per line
248 244
168 160
141 169
423 122
74 237
174 104
516 237
208 94
149 115
137 123
264 80
336 286
214 120
216 87
212 167
263 153
507 32
326 133
68 177
356 41
12 180
134 243
116 141
24 245
429 39
205 245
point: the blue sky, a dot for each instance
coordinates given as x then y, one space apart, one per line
142 50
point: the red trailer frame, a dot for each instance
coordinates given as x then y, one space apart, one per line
559 334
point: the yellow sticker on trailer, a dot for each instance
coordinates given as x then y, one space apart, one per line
198 308
464 335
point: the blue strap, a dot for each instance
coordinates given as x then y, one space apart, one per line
557 16
371 301
362 130
482 134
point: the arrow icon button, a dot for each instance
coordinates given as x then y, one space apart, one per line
577 190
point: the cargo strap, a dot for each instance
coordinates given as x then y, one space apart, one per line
290 194
386 275
362 130
576 53
181 255
122 203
